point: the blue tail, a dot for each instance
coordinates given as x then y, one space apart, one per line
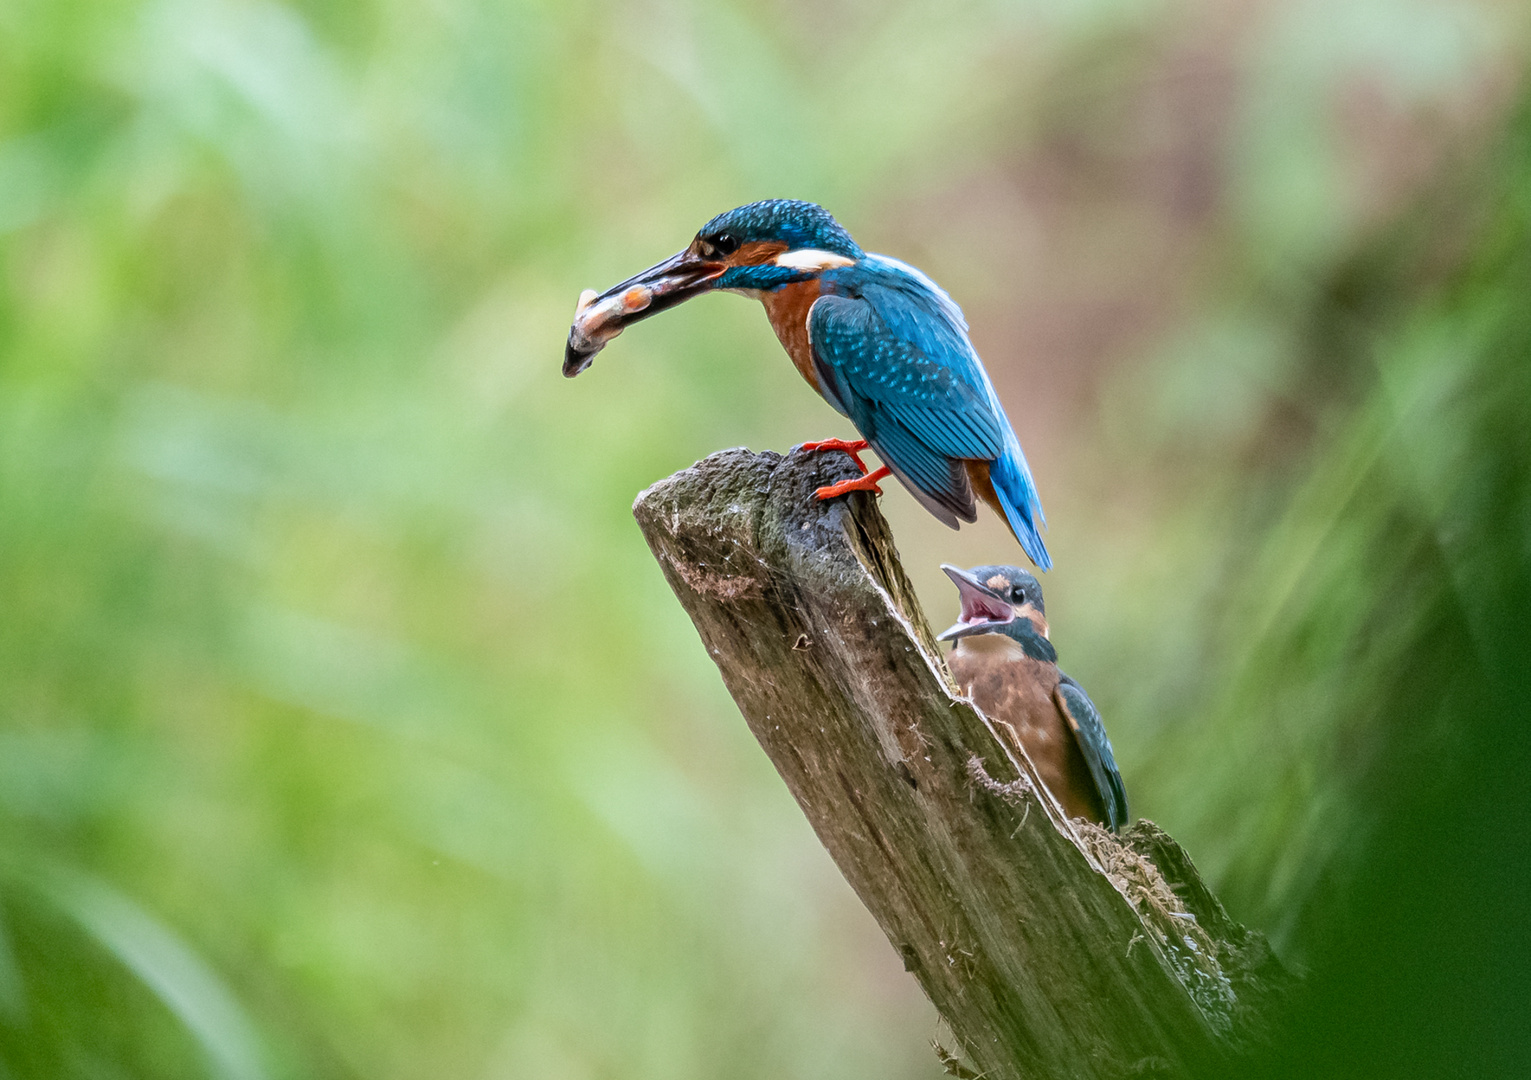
1018 495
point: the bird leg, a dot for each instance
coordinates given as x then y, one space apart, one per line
860 483
852 448
867 481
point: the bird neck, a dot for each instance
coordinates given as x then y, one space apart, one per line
787 308
1025 633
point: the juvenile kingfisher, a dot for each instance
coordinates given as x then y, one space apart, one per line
879 341
1004 662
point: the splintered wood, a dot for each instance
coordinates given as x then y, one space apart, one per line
1052 950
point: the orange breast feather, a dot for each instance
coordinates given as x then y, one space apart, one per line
787 308
1017 693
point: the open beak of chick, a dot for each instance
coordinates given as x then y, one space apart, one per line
602 316
983 609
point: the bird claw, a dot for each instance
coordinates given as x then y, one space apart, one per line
858 483
852 448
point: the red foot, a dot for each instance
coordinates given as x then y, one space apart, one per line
860 483
852 448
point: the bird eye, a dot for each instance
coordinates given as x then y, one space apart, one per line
725 243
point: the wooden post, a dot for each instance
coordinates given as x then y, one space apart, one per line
1051 948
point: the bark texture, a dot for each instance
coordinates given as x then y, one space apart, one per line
1051 948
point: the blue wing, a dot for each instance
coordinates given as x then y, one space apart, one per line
1090 733
916 412
891 352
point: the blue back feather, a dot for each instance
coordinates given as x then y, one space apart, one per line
894 356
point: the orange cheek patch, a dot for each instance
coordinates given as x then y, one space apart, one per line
756 252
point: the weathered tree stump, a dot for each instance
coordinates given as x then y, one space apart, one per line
1050 947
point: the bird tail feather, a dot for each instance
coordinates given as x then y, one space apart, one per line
1022 505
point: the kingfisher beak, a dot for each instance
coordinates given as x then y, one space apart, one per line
601 317
983 610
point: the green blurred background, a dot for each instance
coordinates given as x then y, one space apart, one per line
347 728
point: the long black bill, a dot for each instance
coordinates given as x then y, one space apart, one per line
600 318
983 610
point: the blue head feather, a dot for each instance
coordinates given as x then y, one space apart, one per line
793 222
1021 587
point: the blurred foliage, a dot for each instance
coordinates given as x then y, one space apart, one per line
346 727
1410 613
1370 738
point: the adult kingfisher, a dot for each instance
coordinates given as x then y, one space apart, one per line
1005 664
879 341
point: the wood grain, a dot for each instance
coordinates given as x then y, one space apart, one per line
1051 948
